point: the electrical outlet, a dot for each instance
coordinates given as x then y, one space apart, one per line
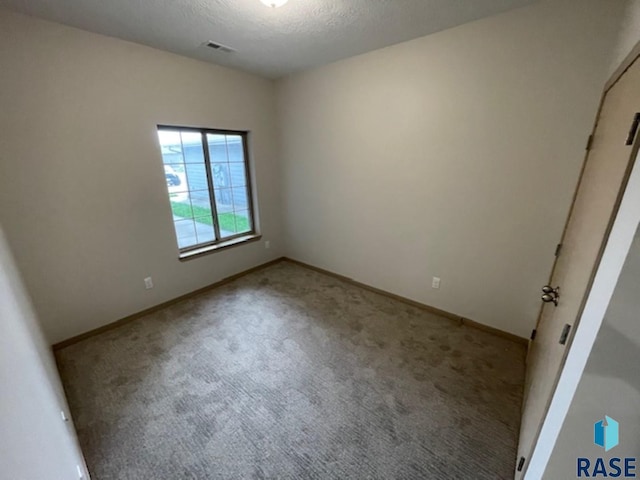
148 283
435 283
267 244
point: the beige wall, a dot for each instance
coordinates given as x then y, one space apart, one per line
454 155
629 34
35 442
82 192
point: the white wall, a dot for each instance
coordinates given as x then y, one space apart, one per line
35 444
82 191
610 384
629 34
454 155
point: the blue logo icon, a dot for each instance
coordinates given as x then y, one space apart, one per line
606 433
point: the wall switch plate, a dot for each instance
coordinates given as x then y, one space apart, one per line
148 283
267 244
80 472
435 283
64 416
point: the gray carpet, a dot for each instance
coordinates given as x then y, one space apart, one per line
288 373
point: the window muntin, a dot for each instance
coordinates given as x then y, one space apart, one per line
208 183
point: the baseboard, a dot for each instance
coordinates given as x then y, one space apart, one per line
436 311
135 316
423 306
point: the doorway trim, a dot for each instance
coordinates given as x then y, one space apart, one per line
609 269
614 253
624 66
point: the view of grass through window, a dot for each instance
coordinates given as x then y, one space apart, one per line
207 182
228 221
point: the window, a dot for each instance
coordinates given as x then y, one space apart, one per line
209 186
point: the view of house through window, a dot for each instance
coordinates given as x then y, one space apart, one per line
208 184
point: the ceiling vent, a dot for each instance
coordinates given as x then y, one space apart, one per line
219 47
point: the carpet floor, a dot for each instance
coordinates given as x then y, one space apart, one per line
292 374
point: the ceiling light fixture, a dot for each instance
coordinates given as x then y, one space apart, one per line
274 3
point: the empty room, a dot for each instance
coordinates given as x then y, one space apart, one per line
318 239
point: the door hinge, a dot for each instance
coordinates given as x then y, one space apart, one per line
565 334
589 142
534 332
521 463
558 250
633 130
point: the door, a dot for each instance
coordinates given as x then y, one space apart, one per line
596 199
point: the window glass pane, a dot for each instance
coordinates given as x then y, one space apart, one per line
221 177
204 229
217 148
186 233
201 203
171 146
232 223
224 200
240 198
237 174
243 224
234 148
202 210
196 176
175 177
192 147
191 204
181 206
227 224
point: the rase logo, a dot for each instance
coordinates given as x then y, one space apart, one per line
606 434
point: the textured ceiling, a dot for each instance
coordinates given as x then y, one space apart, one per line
269 42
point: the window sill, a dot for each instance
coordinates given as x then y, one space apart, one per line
234 242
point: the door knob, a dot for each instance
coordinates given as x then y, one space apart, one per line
550 294
550 298
550 290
